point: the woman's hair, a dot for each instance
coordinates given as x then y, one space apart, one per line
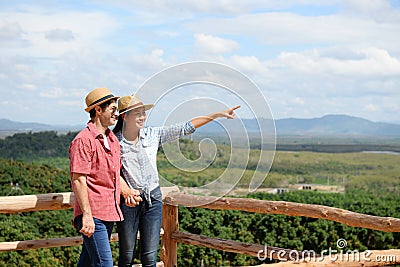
119 125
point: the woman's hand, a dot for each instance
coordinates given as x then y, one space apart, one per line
229 113
133 198
200 121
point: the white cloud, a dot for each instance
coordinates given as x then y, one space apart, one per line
52 93
157 53
11 34
149 63
74 104
172 34
309 57
29 87
186 9
214 44
299 100
371 61
40 28
371 107
377 9
296 30
248 64
60 35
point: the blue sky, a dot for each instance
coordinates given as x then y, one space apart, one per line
308 58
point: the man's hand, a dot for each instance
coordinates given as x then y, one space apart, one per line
132 198
79 187
87 226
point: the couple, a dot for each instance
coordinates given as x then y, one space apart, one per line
114 177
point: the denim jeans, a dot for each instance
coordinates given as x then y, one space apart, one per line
96 250
147 220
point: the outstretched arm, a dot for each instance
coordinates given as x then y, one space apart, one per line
200 121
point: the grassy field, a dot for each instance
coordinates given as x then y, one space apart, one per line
378 172
191 165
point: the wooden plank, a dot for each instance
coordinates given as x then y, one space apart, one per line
158 264
52 201
386 224
169 254
25 203
254 250
46 243
51 242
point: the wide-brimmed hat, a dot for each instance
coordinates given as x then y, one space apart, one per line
127 103
98 96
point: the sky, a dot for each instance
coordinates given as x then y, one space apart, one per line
305 58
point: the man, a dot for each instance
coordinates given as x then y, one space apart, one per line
95 179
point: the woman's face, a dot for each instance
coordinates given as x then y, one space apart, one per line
136 117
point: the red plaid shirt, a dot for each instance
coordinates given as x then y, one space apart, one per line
88 155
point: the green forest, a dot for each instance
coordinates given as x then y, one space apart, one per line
37 163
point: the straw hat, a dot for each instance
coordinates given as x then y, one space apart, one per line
127 103
97 97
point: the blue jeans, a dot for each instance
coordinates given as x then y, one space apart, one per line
147 220
96 250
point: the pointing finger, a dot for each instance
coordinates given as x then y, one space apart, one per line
234 108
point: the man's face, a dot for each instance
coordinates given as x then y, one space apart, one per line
109 115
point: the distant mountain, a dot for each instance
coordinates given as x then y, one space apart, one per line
8 125
15 127
326 125
336 124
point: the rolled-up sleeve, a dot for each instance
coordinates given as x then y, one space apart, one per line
80 155
173 132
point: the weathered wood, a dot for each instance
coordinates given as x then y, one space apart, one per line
169 254
58 201
348 259
254 250
52 201
25 203
52 242
158 264
46 243
386 224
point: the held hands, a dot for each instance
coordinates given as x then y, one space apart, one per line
133 198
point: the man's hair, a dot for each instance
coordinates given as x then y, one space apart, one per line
103 106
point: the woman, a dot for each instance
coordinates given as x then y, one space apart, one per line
139 147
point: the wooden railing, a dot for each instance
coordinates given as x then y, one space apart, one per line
171 234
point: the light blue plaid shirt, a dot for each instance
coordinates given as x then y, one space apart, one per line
139 161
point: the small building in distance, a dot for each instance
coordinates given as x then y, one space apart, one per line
318 187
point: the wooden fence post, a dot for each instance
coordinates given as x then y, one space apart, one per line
169 246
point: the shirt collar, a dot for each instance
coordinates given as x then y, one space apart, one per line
142 134
143 137
93 130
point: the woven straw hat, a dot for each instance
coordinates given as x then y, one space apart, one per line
98 96
127 103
